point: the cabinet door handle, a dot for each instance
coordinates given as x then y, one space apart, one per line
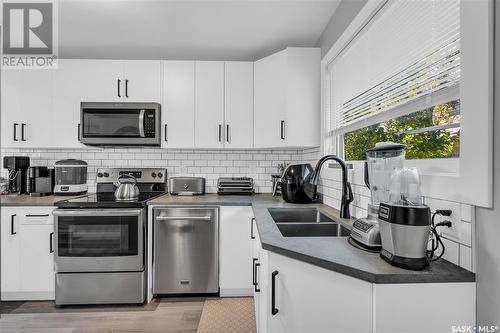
51 241
257 290
126 88
282 130
37 215
274 310
227 133
220 133
78 132
119 88
166 140
15 131
253 271
23 126
251 228
12 218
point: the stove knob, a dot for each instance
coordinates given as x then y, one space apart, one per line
160 175
106 174
99 174
153 175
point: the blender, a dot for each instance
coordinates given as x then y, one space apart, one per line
405 222
381 161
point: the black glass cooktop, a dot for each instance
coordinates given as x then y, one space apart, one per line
107 200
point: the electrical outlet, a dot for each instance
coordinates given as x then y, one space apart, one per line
460 231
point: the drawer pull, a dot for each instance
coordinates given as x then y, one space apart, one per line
37 215
274 310
12 219
51 242
257 290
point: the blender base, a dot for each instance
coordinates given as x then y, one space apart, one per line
361 246
366 231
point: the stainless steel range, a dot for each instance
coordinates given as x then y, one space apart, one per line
100 241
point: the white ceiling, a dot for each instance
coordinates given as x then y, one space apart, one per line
203 30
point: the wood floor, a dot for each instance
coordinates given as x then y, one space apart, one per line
165 315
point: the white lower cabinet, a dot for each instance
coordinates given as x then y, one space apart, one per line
405 308
308 298
235 278
27 260
260 284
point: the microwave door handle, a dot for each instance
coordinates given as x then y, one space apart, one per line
141 123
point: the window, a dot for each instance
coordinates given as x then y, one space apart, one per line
376 55
398 80
429 133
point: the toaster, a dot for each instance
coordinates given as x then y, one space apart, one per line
187 185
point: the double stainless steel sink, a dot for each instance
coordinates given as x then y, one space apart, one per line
306 222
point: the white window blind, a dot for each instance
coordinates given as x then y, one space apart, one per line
405 59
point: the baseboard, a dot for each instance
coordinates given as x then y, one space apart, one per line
27 296
234 292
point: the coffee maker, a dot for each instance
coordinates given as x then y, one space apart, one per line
40 181
381 161
18 170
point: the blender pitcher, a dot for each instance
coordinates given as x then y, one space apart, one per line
381 161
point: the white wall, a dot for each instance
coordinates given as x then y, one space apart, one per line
340 19
211 164
488 220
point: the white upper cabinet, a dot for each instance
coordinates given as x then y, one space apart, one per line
269 100
178 104
26 105
141 81
77 81
238 104
287 99
209 104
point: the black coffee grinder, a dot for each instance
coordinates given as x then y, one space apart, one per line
18 169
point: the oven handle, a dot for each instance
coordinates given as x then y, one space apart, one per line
141 123
190 218
98 212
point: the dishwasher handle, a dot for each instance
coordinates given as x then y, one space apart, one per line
185 218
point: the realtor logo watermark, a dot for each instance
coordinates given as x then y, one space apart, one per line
29 34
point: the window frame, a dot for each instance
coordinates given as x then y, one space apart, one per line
461 179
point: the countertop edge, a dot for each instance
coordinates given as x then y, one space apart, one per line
366 276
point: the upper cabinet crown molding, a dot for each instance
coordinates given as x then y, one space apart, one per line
287 99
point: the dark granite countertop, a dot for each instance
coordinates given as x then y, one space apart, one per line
333 253
26 200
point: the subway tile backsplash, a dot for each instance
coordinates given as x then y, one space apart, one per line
258 164
211 164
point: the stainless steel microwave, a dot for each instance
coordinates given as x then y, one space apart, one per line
120 124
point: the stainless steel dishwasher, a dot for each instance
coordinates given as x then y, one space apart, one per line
186 250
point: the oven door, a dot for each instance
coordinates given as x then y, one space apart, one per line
105 240
129 124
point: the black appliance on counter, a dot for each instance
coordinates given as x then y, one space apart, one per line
299 184
40 181
100 240
18 169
